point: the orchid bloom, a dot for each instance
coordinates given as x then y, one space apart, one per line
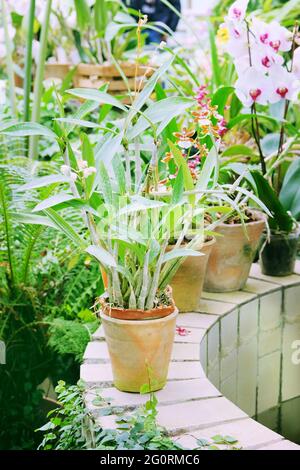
184 137
237 11
280 38
283 85
237 46
252 87
296 63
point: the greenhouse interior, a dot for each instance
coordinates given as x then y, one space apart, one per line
149 227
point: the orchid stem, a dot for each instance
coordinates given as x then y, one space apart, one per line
254 118
286 108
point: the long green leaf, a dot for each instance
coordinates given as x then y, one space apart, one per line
53 201
290 191
102 255
97 96
280 218
62 225
83 14
162 112
44 181
28 128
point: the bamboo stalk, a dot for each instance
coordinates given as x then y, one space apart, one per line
28 60
38 83
9 62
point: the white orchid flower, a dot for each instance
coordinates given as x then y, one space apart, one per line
237 11
283 85
89 171
252 87
280 38
237 45
296 63
82 164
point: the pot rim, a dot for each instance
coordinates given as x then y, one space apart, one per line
209 242
140 322
295 233
131 314
261 218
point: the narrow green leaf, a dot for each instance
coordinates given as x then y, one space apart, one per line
62 225
44 181
180 253
280 218
28 128
96 95
53 201
102 255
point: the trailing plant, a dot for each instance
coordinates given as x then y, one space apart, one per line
73 427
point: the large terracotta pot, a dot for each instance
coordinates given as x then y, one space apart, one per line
140 350
232 255
187 284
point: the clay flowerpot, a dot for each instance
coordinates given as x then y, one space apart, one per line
140 350
278 255
232 255
187 284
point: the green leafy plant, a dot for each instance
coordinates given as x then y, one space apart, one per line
73 427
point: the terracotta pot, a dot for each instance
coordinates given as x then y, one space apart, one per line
137 314
232 255
187 284
140 350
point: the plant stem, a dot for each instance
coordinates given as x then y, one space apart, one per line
286 108
9 62
254 118
28 61
256 135
38 83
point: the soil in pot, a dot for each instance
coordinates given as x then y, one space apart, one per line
140 350
231 256
278 255
187 284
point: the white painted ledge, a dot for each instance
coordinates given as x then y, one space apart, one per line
240 346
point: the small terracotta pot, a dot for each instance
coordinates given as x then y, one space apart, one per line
140 351
138 314
187 284
232 255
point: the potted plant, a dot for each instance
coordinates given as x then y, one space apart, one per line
108 47
267 64
226 264
124 227
237 240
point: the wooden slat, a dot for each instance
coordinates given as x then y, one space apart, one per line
56 70
109 71
114 85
